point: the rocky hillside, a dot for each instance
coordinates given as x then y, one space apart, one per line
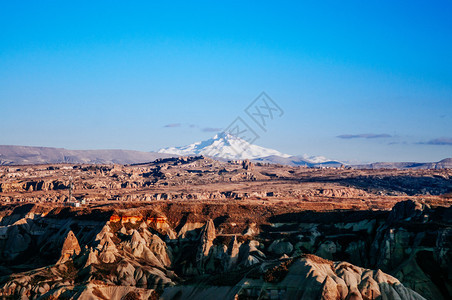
225 251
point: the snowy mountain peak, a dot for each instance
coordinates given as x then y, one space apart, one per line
315 159
224 145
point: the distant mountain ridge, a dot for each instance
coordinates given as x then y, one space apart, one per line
300 161
24 155
442 164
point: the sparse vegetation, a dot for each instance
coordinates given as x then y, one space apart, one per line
277 273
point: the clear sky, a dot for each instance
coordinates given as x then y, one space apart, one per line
357 80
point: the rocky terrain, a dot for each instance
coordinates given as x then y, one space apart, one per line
200 178
196 228
194 251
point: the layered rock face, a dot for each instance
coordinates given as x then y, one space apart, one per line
181 251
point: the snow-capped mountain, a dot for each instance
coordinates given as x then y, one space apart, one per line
315 159
224 145
227 146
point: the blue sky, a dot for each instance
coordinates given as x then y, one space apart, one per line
359 81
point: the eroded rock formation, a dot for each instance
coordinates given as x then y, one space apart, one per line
227 251
70 247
